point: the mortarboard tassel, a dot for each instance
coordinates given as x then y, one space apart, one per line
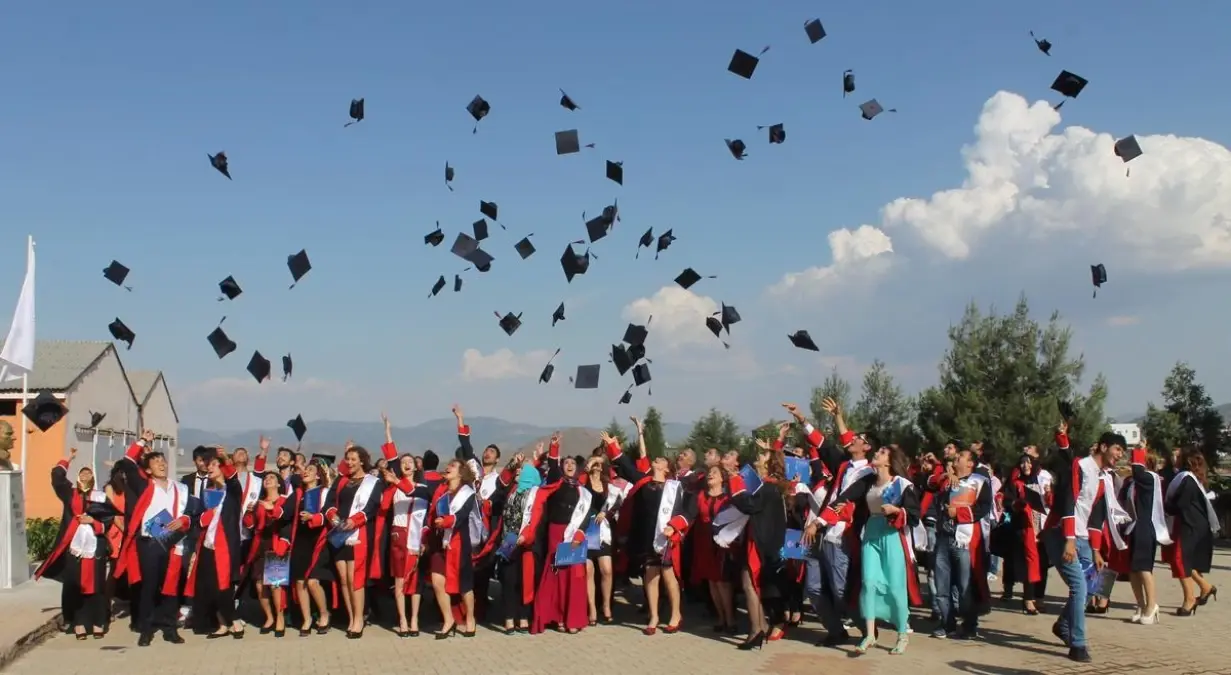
1058 105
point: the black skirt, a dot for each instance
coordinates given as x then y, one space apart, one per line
603 551
302 567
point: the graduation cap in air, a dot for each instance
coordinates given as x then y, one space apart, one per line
689 277
467 248
635 334
777 132
1043 45
457 283
437 287
1127 149
1066 409
715 326
229 288
568 142
615 171
730 317
848 82
297 427
356 111
548 369
647 240
814 30
219 162
627 396
287 367
567 101
587 377
45 410
574 264
122 333
641 374
621 359
597 228
872 109
480 229
636 352
1098 276
745 64
478 109
509 323
299 265
259 367
737 148
96 418
448 176
664 241
801 339
222 344
436 237
489 209
116 273
557 315
1069 85
524 248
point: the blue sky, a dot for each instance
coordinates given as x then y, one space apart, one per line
111 110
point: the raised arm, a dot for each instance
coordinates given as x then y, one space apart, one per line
620 461
390 450
465 449
60 483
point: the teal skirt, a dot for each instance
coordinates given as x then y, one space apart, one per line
884 594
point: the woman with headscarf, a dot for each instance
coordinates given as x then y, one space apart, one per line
517 563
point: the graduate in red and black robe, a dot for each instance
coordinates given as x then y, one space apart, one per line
310 567
712 565
1193 524
454 523
79 559
353 508
490 492
1027 499
271 520
215 570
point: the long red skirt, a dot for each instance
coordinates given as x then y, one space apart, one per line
561 596
708 558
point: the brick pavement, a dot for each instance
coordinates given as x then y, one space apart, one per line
1013 644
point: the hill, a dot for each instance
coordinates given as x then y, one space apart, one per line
1224 410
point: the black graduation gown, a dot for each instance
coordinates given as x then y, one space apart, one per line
1191 533
62 565
765 533
1143 540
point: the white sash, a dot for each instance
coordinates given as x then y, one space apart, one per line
413 520
366 487
488 485
615 497
252 493
527 510
851 474
84 543
728 525
1210 513
578 517
818 496
1116 515
666 509
964 533
1157 516
456 502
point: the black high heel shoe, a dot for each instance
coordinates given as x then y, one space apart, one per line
1186 611
445 634
354 634
755 642
1204 598
305 632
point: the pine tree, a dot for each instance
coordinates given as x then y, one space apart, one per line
616 431
1188 417
652 426
714 430
883 410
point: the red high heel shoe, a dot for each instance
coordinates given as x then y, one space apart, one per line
672 629
649 630
776 633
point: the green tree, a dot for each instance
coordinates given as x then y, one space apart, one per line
883 410
835 387
1162 430
616 431
652 425
714 430
766 432
1001 380
1188 410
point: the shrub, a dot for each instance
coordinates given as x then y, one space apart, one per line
41 537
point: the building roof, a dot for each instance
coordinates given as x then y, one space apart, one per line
58 364
142 382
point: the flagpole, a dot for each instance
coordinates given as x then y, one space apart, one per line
25 436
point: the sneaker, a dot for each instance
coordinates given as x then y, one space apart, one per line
1059 633
1079 654
940 634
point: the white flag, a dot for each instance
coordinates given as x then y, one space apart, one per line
17 356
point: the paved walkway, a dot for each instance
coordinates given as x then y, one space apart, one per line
1013 644
28 615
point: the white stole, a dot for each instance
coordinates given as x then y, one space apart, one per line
666 510
1157 516
615 497
527 510
855 470
488 485
580 509
964 533
1210 513
366 487
84 543
1116 515
252 493
456 502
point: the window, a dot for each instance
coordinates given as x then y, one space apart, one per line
8 407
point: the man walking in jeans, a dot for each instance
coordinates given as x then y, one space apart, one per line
1074 530
964 499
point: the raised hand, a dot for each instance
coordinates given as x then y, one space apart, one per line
147 436
263 444
605 437
555 438
791 407
390 477
763 444
519 459
457 411
72 454
783 428
636 422
348 445
384 418
539 450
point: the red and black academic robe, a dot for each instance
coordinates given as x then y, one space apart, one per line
851 507
80 555
358 502
224 520
139 492
764 534
272 530
452 547
646 513
1193 524
1143 493
1027 510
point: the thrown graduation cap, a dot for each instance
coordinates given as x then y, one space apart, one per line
222 344
1127 149
299 265
777 132
478 109
229 288
664 241
745 64
482 260
297 427
597 228
636 352
489 209
557 315
509 323
635 333
568 142
45 410
548 369
1043 45
480 229
848 82
641 374
814 30
524 248
801 339
116 273
219 162
1066 409
259 367
96 418
436 237
574 264
730 317
448 176
647 240
627 396
1068 85
457 283
567 101
1098 276
615 171
715 326
287 367
689 277
736 147
437 287
872 109
587 377
467 248
122 333
356 111
621 359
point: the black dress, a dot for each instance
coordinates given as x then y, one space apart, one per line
1142 540
309 559
1191 532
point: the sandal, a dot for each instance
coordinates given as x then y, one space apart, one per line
866 644
900 646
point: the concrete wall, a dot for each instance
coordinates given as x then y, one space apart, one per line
102 388
158 415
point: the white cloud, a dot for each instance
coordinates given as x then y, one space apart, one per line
502 364
679 317
221 387
858 255
1173 212
1118 321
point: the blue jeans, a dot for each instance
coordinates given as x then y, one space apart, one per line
834 564
1072 621
931 530
954 586
821 594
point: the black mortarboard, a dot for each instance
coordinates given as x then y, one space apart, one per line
489 209
1098 276
664 241
122 333
1069 85
509 323
96 418
478 109
45 410
438 286
872 109
548 369
737 148
287 367
636 352
298 427
615 171
482 260
587 377
730 317
777 132
436 237
574 264
524 248
298 265
647 240
801 339
1043 45
814 29
1066 409
480 229
356 111
567 142
626 397
715 326
641 374
848 82
464 246
621 359
558 315
327 460
448 176
222 344
229 288
689 277
219 162
457 283
567 102
116 273
1127 149
636 334
259 367
744 64
597 228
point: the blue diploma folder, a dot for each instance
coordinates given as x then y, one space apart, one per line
158 526
312 500
212 497
799 469
277 571
892 494
442 506
594 536
568 554
751 480
508 546
338 537
792 549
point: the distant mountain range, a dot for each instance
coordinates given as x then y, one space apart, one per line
1224 410
438 434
